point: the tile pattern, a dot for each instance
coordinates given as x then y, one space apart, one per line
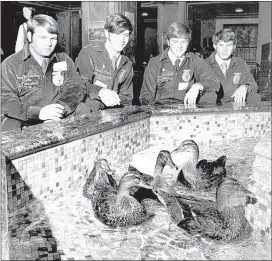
55 169
172 129
259 215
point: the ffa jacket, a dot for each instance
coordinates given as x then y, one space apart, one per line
161 82
96 69
26 89
237 74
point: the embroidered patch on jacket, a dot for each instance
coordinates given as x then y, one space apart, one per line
186 76
26 82
57 74
236 78
166 72
57 78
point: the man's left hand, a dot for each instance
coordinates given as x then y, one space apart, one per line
240 94
191 95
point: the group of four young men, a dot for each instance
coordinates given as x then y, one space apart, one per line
40 85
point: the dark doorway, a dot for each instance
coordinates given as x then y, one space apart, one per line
67 14
147 41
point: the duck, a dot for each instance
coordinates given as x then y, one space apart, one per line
99 165
140 193
114 206
198 175
223 219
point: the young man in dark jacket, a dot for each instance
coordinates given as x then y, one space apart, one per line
106 72
236 81
178 76
39 84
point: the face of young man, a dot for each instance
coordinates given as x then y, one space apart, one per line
42 42
224 50
178 46
118 41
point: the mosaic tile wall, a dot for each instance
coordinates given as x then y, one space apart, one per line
55 169
173 129
259 215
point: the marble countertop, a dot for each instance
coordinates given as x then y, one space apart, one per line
167 109
16 144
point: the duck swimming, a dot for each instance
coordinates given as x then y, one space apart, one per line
114 206
202 175
100 165
223 219
164 158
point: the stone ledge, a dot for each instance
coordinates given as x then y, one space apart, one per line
16 144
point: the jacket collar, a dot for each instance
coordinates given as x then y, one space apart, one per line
211 60
101 48
27 54
164 55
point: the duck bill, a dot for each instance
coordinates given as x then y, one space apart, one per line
171 164
111 172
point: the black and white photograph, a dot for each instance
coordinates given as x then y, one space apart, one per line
136 130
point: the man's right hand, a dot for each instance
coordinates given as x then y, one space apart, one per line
109 97
53 111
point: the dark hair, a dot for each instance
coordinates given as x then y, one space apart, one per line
178 30
117 23
206 52
226 35
45 21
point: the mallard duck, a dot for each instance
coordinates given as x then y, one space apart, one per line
199 175
113 206
164 158
223 219
99 165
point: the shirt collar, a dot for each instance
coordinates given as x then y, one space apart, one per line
211 59
27 54
165 55
220 61
102 48
173 58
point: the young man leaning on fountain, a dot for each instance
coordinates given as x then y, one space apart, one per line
106 72
177 75
236 81
39 84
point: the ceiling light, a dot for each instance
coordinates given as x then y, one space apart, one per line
144 14
239 10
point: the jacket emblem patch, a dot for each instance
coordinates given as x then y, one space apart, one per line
186 75
236 78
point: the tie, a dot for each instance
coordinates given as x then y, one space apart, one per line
114 62
224 68
44 66
176 67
